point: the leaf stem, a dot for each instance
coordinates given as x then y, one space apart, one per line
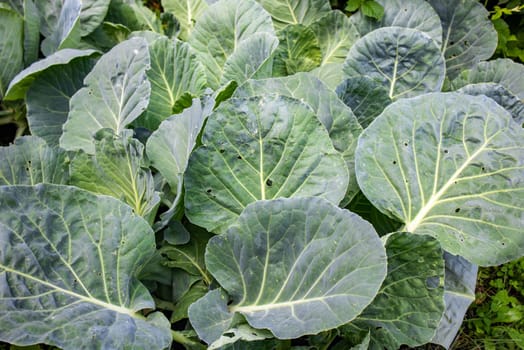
180 338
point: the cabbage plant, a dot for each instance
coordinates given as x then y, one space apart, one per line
241 174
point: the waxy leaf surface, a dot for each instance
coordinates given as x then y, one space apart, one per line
461 277
406 61
260 148
341 124
468 34
68 270
415 14
299 262
220 31
116 93
452 166
174 73
502 71
48 97
30 161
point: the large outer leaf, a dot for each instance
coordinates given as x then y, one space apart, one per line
47 99
335 34
30 161
187 12
285 12
468 33
67 31
503 71
174 72
298 266
260 148
341 124
409 305
222 28
298 51
23 80
169 147
461 277
69 264
405 60
416 14
451 166
117 169
501 95
117 92
11 47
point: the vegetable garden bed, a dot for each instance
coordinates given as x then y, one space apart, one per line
253 175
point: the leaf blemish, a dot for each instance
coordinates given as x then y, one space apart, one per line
269 182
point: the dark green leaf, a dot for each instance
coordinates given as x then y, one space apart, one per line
373 9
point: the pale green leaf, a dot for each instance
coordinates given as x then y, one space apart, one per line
409 305
49 12
69 270
174 73
285 12
66 34
296 266
331 74
23 80
449 165
117 169
47 99
187 12
406 61
252 59
31 32
415 14
210 316
260 148
11 47
116 93
169 147
335 34
468 34
92 15
503 71
30 161
221 29
339 121
461 277
298 51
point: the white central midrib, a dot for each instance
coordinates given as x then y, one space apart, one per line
81 297
264 307
412 226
